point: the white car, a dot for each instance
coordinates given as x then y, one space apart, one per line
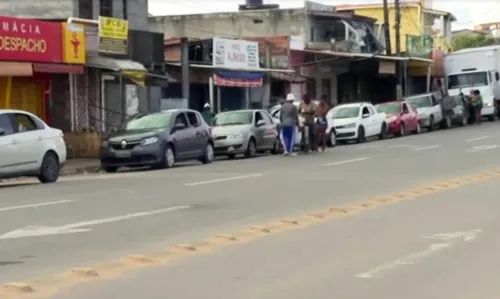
29 147
429 110
355 122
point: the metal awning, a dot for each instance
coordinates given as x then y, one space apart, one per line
16 69
114 64
207 66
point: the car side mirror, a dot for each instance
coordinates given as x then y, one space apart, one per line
179 126
260 123
366 115
2 132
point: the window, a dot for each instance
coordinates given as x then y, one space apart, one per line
467 80
365 111
372 111
405 108
85 9
181 119
24 123
6 124
233 118
258 117
148 121
106 8
125 10
193 119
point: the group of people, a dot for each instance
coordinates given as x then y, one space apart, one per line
309 118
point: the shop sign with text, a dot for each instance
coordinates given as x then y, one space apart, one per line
235 54
73 43
113 36
30 40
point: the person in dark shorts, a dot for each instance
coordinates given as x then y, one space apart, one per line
307 110
321 123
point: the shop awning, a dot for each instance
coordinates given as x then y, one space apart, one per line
16 69
292 78
208 66
57 68
133 70
238 79
354 55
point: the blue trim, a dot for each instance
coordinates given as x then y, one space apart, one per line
253 76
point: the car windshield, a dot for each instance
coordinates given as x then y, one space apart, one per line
345 112
389 108
233 118
148 122
467 80
420 102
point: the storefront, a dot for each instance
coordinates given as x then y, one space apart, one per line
31 51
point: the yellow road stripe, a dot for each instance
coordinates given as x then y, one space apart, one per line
48 286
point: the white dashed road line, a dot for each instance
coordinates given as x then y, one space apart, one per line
425 148
346 161
35 205
234 178
477 138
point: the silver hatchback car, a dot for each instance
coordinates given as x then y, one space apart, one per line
245 132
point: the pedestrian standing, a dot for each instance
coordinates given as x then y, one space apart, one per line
477 102
288 123
307 109
321 122
207 114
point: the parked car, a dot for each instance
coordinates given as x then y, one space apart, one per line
245 132
428 108
159 140
455 110
29 147
356 122
400 118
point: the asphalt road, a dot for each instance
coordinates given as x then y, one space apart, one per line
438 247
80 221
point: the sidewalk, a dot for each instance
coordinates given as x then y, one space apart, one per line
80 166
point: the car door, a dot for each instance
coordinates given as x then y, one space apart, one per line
183 138
10 160
200 138
29 138
270 133
412 115
367 121
259 130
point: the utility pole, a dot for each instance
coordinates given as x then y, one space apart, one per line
387 30
185 70
397 31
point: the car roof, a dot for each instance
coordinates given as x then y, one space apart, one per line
359 104
3 111
391 102
243 110
419 95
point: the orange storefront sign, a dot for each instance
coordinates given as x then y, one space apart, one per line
73 43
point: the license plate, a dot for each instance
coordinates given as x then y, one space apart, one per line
122 154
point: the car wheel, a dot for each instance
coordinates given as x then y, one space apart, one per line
332 138
383 131
491 117
168 157
401 131
49 171
109 169
361 135
276 147
464 121
208 156
251 149
431 124
418 129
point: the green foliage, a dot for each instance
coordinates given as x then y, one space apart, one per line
473 41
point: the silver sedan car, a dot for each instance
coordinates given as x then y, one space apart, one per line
245 132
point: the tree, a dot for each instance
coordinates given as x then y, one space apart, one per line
473 41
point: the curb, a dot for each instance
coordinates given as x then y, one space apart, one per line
80 170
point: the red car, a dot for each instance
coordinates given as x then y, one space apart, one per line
401 118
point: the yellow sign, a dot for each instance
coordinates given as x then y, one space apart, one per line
113 35
74 50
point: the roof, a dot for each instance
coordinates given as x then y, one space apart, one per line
358 104
242 110
366 55
405 4
468 50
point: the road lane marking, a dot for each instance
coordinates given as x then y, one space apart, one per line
426 148
228 179
346 161
414 258
35 205
369 146
34 231
400 146
482 148
477 139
